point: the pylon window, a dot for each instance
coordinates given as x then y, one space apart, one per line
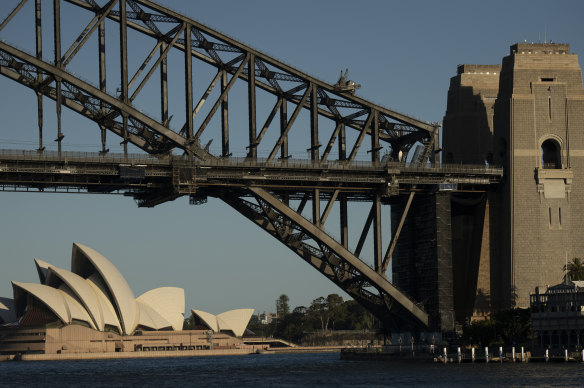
551 156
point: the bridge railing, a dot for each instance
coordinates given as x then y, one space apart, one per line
134 159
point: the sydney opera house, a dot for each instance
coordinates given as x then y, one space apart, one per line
92 309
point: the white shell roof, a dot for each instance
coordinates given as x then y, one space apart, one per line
209 319
107 309
51 297
42 268
76 310
124 300
82 290
95 292
7 313
235 320
169 302
151 318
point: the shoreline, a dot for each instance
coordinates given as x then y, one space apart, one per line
168 354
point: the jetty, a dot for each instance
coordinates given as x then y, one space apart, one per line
461 355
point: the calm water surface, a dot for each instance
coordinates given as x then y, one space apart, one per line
288 370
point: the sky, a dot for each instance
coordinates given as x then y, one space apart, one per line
402 53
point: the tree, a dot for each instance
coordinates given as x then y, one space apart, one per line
300 310
189 323
334 305
282 307
575 269
507 327
291 327
318 309
355 317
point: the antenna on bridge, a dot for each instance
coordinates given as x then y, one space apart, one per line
346 85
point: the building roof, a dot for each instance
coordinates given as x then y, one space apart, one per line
85 261
169 302
76 311
49 296
42 268
233 320
107 309
151 319
82 290
94 293
7 313
209 319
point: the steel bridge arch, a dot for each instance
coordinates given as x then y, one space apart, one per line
234 61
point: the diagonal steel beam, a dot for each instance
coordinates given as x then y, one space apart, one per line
73 105
365 231
355 102
203 99
331 142
375 279
269 120
86 34
289 126
395 237
157 63
144 64
167 15
328 207
260 216
326 261
154 125
14 12
302 203
221 98
360 138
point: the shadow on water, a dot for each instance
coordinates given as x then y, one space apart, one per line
282 370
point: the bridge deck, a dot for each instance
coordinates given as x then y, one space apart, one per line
95 172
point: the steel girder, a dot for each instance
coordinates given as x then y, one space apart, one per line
234 61
330 258
269 74
87 100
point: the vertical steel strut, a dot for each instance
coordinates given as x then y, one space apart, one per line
39 55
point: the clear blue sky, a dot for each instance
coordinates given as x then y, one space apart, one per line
402 53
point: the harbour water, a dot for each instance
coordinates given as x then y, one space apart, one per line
286 370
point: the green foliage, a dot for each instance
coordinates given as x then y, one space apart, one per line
575 269
354 317
319 310
189 323
282 307
323 315
506 327
514 326
291 327
263 330
479 333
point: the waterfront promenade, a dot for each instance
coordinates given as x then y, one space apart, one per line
248 350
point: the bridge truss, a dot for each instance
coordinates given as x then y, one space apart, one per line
290 199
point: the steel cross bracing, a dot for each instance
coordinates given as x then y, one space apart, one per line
333 175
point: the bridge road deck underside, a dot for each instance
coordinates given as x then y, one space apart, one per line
236 181
274 183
